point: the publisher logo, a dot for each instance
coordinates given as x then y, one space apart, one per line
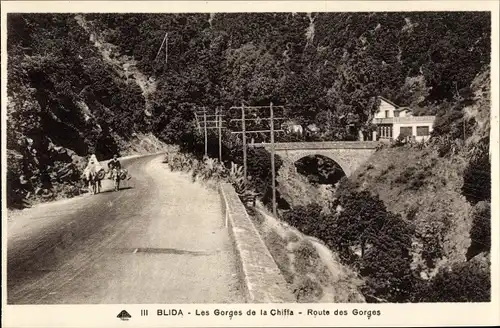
124 315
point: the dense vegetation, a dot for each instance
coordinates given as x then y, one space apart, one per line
327 68
90 83
367 237
68 84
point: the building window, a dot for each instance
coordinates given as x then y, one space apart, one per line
386 114
385 131
422 131
405 131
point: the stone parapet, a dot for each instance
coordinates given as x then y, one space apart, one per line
320 145
261 278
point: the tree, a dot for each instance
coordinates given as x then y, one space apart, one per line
305 218
387 263
463 282
360 219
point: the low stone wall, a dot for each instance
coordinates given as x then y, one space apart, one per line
260 276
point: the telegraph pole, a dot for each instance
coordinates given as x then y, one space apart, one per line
205 128
166 48
219 126
165 41
244 131
208 125
244 141
272 158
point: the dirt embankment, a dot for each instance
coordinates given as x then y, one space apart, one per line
313 271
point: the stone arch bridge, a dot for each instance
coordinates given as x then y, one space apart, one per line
350 155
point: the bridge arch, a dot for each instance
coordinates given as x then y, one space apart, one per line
344 162
320 169
350 155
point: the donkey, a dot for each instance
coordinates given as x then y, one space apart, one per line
94 178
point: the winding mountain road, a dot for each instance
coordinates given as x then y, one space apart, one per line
160 239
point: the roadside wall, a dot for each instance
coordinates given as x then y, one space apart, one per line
260 276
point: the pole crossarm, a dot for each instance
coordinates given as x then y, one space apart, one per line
212 121
255 131
240 107
257 119
215 127
210 115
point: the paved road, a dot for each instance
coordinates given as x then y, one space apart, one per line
159 240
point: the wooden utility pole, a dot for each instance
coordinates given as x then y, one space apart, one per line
205 128
244 141
166 48
244 131
165 41
219 126
272 158
209 125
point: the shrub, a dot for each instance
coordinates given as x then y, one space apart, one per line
259 167
411 212
406 175
237 179
412 177
480 233
432 238
417 181
307 290
306 257
387 262
464 282
304 218
477 177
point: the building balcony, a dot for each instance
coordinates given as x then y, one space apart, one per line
404 120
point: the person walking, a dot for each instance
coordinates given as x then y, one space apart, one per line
115 166
115 163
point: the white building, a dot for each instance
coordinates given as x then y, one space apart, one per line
393 121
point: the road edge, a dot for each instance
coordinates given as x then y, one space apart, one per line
12 213
260 276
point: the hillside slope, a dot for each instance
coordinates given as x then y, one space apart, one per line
67 97
427 185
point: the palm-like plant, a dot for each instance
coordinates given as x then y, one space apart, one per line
237 178
208 167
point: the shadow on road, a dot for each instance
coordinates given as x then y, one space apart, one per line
151 250
112 190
